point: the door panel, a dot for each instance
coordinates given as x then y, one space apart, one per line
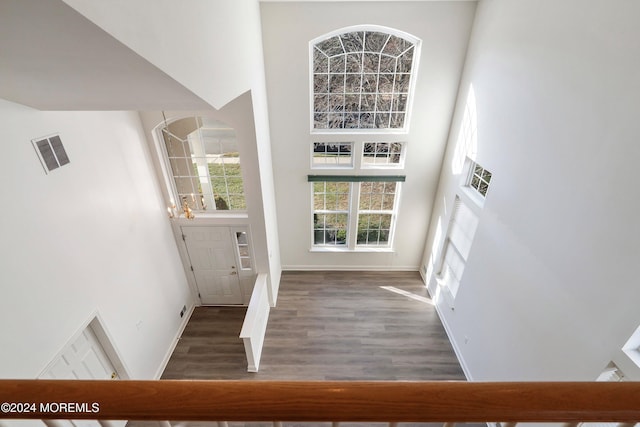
212 257
82 359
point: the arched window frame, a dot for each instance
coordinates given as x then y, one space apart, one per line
416 44
196 201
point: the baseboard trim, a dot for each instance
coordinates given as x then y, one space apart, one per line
349 268
174 343
456 349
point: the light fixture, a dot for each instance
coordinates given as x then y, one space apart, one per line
188 213
171 209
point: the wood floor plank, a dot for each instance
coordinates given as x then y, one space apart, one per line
341 326
327 326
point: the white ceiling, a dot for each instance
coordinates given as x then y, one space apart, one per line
52 58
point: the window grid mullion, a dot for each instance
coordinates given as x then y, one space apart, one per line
353 218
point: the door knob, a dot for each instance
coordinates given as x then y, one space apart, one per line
234 272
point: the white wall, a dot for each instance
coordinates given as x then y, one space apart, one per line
90 237
210 47
550 288
287 29
214 49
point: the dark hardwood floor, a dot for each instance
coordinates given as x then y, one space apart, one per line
326 326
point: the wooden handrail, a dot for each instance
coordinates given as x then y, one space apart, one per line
325 401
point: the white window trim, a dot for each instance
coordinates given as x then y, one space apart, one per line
352 223
171 192
400 165
336 166
414 73
470 194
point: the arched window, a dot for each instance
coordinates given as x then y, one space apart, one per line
362 79
203 160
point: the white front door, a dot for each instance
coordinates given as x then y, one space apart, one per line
83 358
213 260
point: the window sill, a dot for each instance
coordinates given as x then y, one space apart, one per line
238 218
348 250
472 196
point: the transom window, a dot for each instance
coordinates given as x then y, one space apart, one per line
362 80
330 155
205 164
382 154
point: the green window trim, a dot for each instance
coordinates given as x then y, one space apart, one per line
356 178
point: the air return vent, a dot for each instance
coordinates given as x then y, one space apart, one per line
51 152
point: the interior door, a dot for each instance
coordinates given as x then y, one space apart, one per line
213 261
83 358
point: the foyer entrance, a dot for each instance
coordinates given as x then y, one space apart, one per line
212 255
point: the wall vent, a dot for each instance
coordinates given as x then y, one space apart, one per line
51 152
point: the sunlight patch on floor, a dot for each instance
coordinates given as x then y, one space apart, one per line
407 294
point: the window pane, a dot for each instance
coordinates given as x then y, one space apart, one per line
401 83
388 201
396 45
331 154
373 229
369 83
377 196
331 47
475 182
352 83
185 185
242 237
405 61
237 202
208 165
375 211
336 64
320 121
321 83
320 62
336 83
387 64
370 62
354 63
374 41
330 229
479 178
336 102
175 146
381 153
397 120
355 66
222 202
331 201
352 42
